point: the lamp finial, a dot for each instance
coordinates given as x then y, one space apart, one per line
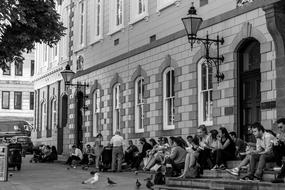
192 10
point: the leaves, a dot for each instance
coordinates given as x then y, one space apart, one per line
24 23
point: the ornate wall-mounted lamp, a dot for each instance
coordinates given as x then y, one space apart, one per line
67 76
192 24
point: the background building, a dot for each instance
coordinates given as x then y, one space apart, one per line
50 95
17 91
146 81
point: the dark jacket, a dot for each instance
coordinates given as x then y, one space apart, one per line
145 148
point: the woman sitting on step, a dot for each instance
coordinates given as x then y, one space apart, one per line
157 154
226 151
200 151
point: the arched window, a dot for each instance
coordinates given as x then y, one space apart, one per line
96 111
43 116
116 107
139 104
168 98
205 93
53 115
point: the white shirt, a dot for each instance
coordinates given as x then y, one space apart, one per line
117 141
78 153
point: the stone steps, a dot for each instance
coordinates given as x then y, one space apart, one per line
218 184
268 175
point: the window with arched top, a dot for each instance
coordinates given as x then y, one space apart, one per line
139 104
168 98
53 115
43 116
205 93
96 111
116 107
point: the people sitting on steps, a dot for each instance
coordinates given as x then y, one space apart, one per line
239 144
262 154
226 151
75 156
279 150
130 153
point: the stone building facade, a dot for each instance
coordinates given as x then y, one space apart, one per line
146 81
17 91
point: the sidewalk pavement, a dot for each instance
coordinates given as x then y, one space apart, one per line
56 176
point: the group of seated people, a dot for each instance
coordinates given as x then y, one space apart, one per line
202 151
99 156
44 153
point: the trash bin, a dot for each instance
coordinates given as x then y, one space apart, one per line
3 162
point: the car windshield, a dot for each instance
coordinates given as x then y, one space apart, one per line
23 139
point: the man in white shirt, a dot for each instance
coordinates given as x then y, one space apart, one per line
262 154
117 154
76 155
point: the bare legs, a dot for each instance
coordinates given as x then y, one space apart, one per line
190 161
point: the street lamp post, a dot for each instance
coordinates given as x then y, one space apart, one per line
192 24
67 75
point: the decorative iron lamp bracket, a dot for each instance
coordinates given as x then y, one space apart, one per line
67 75
192 24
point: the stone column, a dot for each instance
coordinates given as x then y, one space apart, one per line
275 14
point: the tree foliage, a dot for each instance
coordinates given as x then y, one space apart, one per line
24 23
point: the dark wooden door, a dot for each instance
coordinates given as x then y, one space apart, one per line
249 84
79 121
250 99
63 122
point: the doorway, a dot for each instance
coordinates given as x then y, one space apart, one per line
63 122
249 78
79 120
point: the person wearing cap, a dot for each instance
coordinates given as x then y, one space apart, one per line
117 153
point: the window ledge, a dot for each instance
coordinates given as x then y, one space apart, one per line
139 130
97 40
138 19
206 123
159 9
80 48
115 30
169 127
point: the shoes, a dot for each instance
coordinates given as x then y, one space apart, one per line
247 178
256 178
278 180
215 167
234 171
222 167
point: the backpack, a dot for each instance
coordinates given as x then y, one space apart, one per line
159 179
194 171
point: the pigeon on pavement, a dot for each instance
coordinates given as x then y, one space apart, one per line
92 180
149 185
138 184
110 182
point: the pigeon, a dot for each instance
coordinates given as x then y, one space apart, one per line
85 168
67 168
10 174
149 185
138 184
136 172
149 178
110 182
92 180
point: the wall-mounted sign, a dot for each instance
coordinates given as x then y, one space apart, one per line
241 3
